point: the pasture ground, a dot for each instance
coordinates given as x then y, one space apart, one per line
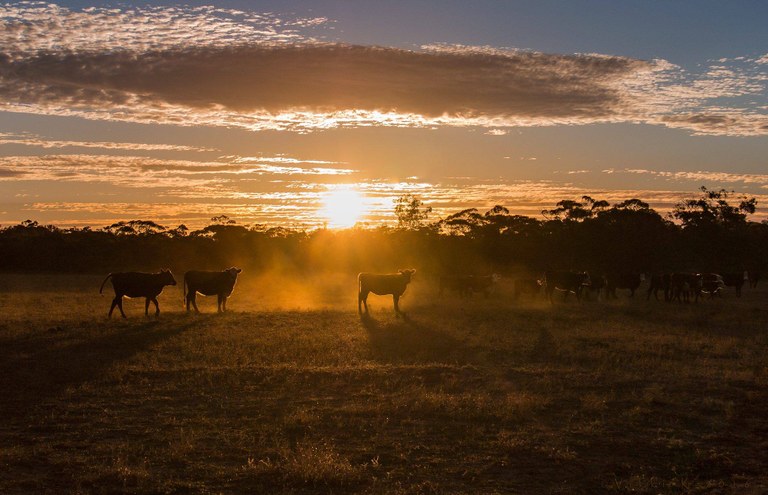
290 393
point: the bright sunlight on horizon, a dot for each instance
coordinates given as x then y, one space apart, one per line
343 207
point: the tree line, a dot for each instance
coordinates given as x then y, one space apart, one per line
710 232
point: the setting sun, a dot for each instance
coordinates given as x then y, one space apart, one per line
343 207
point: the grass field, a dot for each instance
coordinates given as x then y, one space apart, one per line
294 392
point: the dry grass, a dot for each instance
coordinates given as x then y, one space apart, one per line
482 396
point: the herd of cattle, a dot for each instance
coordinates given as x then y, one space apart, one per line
682 287
150 285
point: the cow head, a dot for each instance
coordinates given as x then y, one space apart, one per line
407 273
232 271
167 277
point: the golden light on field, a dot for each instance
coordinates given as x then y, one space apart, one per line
343 207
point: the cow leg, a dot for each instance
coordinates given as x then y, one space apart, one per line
396 299
188 299
120 305
146 306
362 297
157 306
115 302
193 300
224 303
219 300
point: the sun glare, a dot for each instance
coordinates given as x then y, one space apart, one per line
343 207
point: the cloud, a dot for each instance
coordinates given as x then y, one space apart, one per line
181 177
41 142
208 66
699 176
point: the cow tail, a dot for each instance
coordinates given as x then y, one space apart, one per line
104 282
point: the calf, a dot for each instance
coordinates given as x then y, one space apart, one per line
629 281
685 285
138 284
566 282
220 284
528 286
660 282
712 284
754 277
382 284
735 280
466 285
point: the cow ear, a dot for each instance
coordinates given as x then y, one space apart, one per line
238 270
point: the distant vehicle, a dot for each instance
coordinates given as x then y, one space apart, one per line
220 284
568 282
381 285
138 284
466 285
630 281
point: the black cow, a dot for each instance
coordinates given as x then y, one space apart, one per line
686 285
754 277
382 284
735 280
597 285
660 282
528 286
565 282
138 284
629 281
712 284
220 284
466 285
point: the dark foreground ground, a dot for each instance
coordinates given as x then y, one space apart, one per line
482 396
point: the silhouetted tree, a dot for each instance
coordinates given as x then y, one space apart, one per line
410 212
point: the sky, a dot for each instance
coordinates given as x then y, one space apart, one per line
308 114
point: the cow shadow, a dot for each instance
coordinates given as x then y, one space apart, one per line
408 340
39 367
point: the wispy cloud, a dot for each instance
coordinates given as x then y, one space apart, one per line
202 65
42 142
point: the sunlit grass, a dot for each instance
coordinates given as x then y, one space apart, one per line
463 396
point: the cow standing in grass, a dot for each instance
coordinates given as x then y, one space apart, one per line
219 284
661 282
138 284
565 282
629 281
382 284
735 280
466 285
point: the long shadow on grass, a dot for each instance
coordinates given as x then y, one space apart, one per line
407 341
34 369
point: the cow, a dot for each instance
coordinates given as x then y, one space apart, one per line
528 286
735 280
685 285
712 284
597 285
466 285
660 282
754 277
382 284
138 284
566 282
629 281
220 284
